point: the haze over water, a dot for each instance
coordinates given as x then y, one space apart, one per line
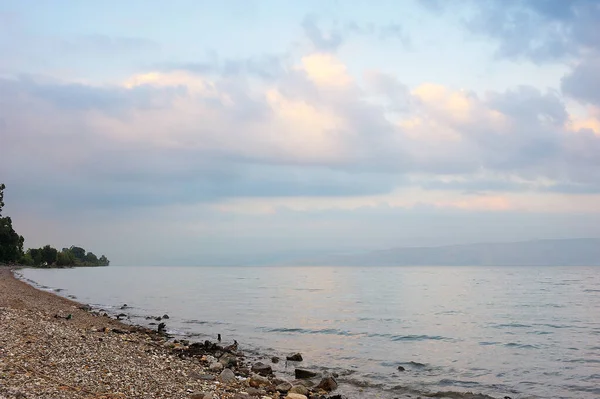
525 332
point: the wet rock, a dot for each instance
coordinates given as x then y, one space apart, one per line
328 384
301 389
306 383
338 396
161 328
121 316
295 396
216 366
284 387
228 360
275 359
400 368
257 381
165 316
302 374
296 357
158 318
241 395
227 377
262 369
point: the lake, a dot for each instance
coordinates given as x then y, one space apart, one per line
523 332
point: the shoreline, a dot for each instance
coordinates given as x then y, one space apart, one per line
54 347
198 366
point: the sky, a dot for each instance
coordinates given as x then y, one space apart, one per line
244 132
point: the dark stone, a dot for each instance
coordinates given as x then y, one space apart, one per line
296 357
124 306
302 374
117 331
165 316
338 396
328 384
121 316
400 368
161 327
275 359
158 318
228 360
262 369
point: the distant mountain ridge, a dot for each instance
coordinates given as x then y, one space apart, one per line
554 252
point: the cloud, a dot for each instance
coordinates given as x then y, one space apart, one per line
313 131
538 30
583 82
330 41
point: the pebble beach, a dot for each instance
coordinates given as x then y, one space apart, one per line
52 347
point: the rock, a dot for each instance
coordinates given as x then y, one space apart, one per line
306 383
241 395
328 384
255 391
165 316
121 316
275 359
209 395
209 359
197 396
400 368
284 387
295 396
338 396
201 377
228 360
161 327
158 318
257 381
302 373
216 366
262 369
226 376
301 389
296 357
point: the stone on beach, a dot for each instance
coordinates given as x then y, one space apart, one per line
328 384
262 369
227 377
296 357
300 389
295 396
302 374
257 381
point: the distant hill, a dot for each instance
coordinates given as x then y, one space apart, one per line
567 252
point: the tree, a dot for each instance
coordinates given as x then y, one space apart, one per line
11 244
49 255
65 258
36 255
91 259
78 252
103 261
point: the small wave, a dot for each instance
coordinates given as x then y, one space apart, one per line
420 338
520 346
512 325
458 395
203 322
488 343
451 382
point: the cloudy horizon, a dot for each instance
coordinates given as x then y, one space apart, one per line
237 132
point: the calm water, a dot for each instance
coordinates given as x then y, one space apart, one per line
524 332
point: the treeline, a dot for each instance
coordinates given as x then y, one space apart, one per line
51 257
11 249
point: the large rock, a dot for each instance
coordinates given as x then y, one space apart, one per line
296 357
295 396
227 377
284 387
262 369
328 384
257 381
302 373
301 389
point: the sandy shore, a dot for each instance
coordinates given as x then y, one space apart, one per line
51 347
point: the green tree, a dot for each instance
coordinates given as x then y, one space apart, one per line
27 260
103 261
49 255
78 252
65 258
11 244
36 255
91 259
